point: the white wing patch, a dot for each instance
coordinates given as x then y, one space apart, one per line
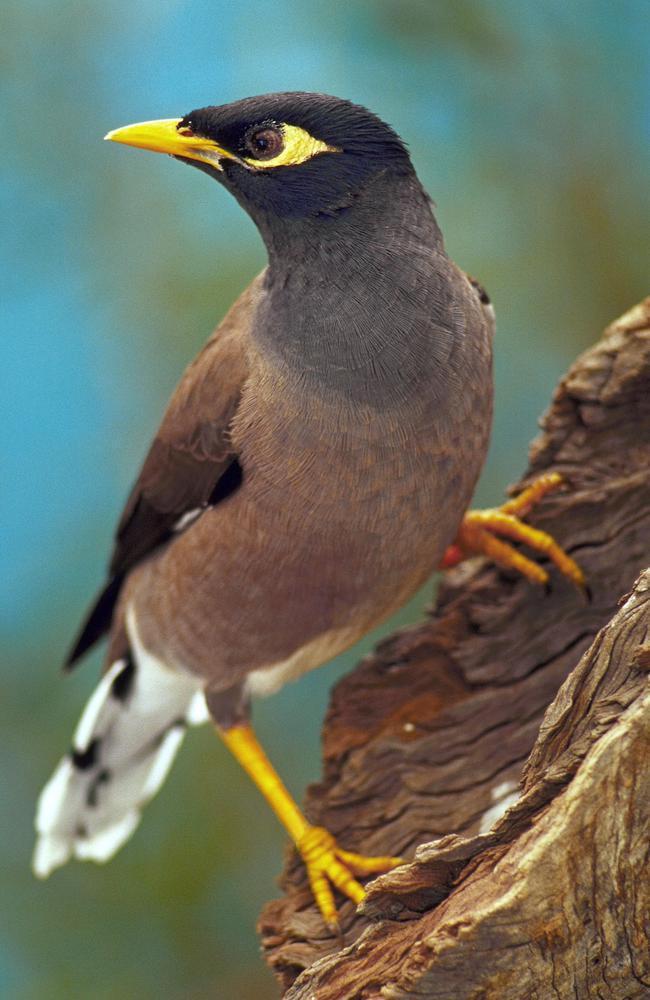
189 517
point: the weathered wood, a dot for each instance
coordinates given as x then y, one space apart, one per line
427 741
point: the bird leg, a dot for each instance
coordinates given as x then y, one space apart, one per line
325 861
479 528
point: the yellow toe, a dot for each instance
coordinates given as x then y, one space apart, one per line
329 865
482 533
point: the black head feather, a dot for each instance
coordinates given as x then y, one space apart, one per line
323 185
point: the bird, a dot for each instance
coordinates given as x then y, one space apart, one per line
313 468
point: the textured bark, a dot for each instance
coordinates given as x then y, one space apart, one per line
491 703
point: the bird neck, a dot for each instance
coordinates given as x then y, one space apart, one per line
387 201
353 297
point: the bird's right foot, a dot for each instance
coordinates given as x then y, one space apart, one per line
327 863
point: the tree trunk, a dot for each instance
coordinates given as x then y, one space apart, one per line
503 745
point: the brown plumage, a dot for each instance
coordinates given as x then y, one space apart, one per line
342 513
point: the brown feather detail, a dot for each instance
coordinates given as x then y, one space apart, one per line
190 453
192 448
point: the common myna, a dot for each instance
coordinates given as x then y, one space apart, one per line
310 472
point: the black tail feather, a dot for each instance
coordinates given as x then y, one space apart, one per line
97 622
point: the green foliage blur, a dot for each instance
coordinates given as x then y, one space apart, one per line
529 124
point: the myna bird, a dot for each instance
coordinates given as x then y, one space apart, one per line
310 472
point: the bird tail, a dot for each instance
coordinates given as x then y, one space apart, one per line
123 748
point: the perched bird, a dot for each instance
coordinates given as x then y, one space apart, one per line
310 472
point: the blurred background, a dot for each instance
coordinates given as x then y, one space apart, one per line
529 124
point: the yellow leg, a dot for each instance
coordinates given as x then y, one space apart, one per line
479 527
325 861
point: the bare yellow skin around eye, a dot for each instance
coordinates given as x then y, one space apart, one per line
299 146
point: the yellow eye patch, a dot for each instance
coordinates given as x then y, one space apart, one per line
299 146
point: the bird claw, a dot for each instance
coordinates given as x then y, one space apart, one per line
327 863
479 529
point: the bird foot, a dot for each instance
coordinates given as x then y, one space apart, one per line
479 528
327 862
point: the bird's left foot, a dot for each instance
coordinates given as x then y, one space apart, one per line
479 530
327 863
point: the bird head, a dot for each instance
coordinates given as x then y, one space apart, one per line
283 156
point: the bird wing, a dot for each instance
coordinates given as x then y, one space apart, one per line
484 299
191 463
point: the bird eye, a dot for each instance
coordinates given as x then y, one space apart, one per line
265 143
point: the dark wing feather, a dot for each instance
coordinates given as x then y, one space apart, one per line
191 462
176 478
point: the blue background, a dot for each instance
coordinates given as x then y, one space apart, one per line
529 123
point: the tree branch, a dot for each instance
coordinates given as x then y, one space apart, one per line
431 738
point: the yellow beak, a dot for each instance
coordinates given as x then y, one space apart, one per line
163 137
